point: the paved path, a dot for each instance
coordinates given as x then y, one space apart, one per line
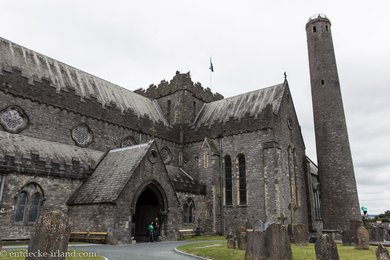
139 251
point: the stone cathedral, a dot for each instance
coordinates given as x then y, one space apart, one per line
114 159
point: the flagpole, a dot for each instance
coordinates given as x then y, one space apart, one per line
211 72
211 75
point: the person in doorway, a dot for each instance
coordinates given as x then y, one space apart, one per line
151 231
156 225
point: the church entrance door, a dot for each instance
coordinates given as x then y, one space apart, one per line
150 204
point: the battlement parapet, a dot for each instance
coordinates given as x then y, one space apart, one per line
13 82
181 81
264 121
32 164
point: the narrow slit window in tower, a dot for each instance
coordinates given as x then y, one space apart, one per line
322 82
314 29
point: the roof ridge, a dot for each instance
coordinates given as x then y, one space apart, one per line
35 65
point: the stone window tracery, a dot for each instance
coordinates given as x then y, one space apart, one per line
13 119
188 211
82 135
228 181
242 179
28 204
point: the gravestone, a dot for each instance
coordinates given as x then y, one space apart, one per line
326 248
363 239
259 226
377 234
50 236
299 234
241 238
277 242
349 236
230 239
255 247
382 253
242 241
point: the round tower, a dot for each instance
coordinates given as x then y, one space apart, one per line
339 198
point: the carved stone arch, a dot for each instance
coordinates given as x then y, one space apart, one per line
189 211
128 141
28 203
13 119
166 155
149 201
82 135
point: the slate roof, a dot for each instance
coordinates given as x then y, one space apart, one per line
36 67
184 182
111 175
21 146
238 106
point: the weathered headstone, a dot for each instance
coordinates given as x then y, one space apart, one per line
230 239
299 234
255 247
382 253
349 236
50 237
363 239
231 242
242 241
277 242
326 248
259 226
377 234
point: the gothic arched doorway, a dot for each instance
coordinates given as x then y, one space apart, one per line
150 204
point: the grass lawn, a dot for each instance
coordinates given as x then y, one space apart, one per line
20 254
218 251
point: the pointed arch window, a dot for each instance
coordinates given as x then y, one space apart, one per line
21 202
242 179
228 181
188 211
28 204
34 207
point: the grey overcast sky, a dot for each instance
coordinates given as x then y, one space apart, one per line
137 43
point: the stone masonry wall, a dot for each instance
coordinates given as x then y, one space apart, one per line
54 114
56 193
145 174
288 134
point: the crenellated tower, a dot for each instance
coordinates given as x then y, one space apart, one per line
180 99
339 198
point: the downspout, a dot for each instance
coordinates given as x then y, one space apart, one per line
221 186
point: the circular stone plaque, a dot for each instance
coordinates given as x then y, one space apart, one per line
13 119
82 135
